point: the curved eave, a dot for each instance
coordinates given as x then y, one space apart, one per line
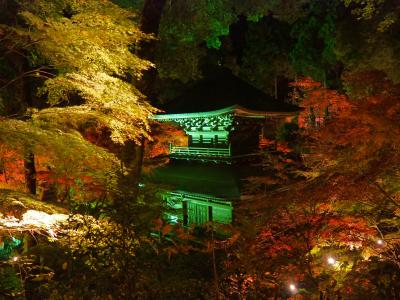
248 113
236 110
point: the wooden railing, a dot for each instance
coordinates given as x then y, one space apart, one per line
199 151
185 196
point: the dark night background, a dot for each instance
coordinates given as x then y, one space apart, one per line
311 88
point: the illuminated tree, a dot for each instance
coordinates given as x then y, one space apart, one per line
313 231
83 52
81 126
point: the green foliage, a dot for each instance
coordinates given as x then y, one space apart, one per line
288 11
266 55
7 245
188 28
313 52
10 283
184 26
101 243
367 48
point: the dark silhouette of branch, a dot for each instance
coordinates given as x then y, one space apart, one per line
38 72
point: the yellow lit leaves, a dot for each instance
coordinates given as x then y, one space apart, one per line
100 242
92 53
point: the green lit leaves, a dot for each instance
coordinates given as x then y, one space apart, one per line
218 29
254 10
184 27
312 33
188 28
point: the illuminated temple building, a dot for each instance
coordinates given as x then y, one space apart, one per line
225 120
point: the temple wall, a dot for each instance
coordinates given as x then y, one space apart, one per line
208 138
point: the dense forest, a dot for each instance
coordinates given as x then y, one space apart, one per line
80 84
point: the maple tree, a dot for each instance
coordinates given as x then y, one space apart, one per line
319 221
77 120
85 83
337 215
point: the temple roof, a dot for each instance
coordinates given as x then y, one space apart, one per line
235 110
221 89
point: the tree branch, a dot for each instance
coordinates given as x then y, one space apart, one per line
38 72
386 194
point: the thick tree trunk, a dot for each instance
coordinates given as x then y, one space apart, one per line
30 172
132 160
151 16
24 88
23 94
131 154
150 22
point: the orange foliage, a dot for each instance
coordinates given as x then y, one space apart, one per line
12 175
11 169
264 143
164 134
352 187
319 103
283 147
360 129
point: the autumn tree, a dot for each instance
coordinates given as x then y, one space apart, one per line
86 81
82 125
348 202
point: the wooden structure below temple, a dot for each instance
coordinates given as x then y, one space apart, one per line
197 193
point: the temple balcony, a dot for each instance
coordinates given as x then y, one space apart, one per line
200 153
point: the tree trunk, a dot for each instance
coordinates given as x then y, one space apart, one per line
214 263
150 22
26 100
276 87
151 16
30 172
132 159
131 154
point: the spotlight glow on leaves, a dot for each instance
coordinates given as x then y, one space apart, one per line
34 221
